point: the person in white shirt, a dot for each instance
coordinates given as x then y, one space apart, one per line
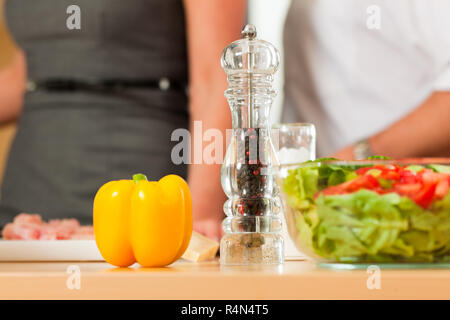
372 75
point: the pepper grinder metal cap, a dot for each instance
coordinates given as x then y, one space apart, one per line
249 32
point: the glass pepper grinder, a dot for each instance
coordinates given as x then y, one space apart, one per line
252 227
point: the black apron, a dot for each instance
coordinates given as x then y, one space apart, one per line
70 143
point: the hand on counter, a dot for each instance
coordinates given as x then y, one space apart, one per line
209 227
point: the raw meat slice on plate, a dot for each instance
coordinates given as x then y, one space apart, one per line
31 227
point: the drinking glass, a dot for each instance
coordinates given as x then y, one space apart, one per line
294 143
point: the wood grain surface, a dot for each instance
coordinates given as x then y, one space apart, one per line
208 280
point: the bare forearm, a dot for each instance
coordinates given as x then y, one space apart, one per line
424 132
211 26
12 88
204 178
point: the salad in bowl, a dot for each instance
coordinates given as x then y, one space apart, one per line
369 211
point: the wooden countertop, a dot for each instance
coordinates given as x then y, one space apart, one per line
208 280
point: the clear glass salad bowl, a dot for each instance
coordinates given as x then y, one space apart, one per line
371 211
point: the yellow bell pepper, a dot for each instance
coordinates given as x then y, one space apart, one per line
145 221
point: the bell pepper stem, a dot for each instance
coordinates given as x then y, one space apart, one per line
138 177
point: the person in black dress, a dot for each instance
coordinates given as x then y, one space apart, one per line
101 102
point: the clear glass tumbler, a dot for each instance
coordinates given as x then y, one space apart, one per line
294 143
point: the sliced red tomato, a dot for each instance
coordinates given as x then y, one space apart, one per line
428 176
382 168
333 190
363 170
407 176
442 188
408 189
390 175
365 181
425 196
390 172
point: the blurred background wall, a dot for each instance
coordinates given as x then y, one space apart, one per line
6 49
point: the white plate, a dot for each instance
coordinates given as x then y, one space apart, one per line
49 250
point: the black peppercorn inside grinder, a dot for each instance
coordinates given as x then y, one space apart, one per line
252 225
